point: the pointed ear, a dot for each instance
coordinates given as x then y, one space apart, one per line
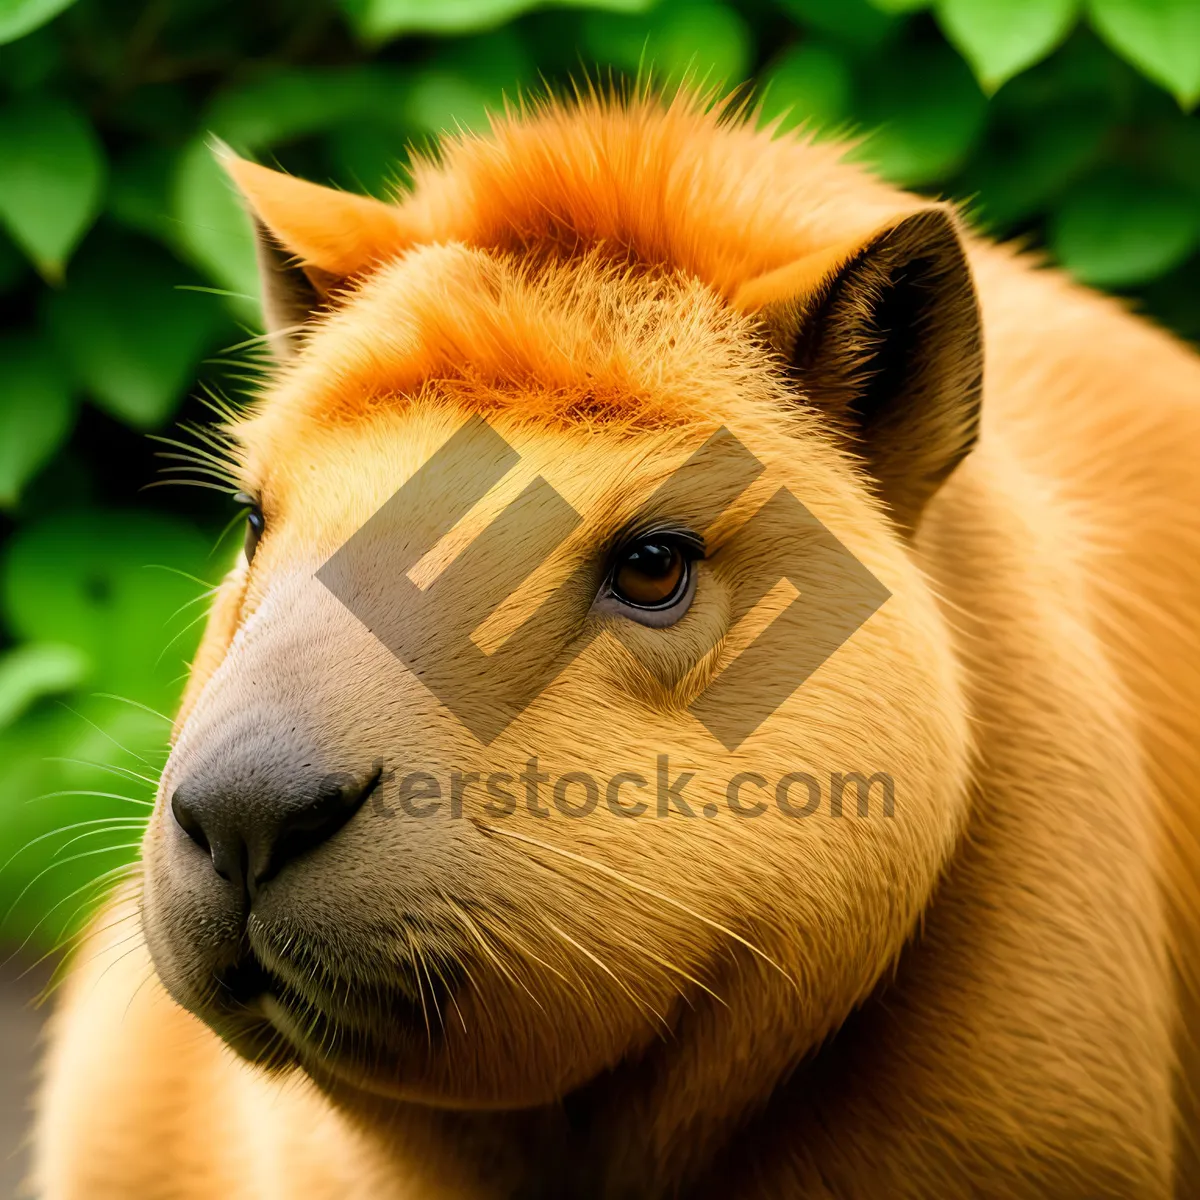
312 240
883 333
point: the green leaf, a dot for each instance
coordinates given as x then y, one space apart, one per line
927 112
132 336
37 412
1160 37
441 101
619 41
1172 300
1083 72
709 43
1024 165
901 6
109 584
367 157
1174 149
19 17
378 20
1001 38
810 85
855 22
37 669
139 191
46 798
296 103
212 228
499 63
53 176
1120 229
12 263
28 65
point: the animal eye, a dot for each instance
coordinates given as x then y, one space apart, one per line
255 524
652 579
650 573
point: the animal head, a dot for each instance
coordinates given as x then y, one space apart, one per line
473 796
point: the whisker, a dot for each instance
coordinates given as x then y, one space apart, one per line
110 822
119 959
97 902
200 468
421 994
212 456
104 733
432 990
450 993
75 941
89 792
204 583
200 483
237 519
121 827
667 965
491 954
217 404
62 862
608 971
504 932
128 772
205 595
97 881
137 991
637 887
181 633
134 704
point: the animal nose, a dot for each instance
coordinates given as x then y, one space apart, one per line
253 833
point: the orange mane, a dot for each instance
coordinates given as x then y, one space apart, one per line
591 263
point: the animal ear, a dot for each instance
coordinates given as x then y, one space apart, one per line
884 335
312 241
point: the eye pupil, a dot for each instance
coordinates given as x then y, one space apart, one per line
652 559
255 524
650 574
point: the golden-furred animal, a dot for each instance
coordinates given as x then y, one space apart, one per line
396 945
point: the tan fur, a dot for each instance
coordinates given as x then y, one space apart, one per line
983 996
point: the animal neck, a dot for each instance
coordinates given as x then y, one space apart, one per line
652 1125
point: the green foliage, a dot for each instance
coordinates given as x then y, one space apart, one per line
129 338
52 180
926 113
378 20
36 411
811 85
127 267
1001 38
19 17
1160 37
1116 228
36 669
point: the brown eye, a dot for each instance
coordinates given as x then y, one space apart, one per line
255 524
651 573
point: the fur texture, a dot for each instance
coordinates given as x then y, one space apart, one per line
988 993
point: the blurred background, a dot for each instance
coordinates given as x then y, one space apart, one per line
127 288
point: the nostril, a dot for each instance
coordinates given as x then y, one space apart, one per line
337 799
187 820
252 828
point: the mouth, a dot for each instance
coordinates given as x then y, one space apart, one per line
274 1023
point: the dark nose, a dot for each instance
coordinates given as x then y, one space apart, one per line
254 830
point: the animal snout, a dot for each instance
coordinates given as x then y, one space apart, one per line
260 806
